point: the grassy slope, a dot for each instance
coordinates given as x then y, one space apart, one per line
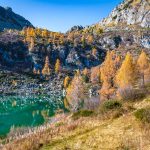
93 134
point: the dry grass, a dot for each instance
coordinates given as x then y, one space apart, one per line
124 132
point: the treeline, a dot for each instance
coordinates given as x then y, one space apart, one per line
82 37
118 78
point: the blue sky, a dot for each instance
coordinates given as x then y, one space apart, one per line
60 15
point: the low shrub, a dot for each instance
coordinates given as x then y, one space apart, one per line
130 94
111 104
58 124
82 113
143 115
91 103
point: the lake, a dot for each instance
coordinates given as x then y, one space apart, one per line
26 111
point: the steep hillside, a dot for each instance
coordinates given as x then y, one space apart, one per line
78 49
10 20
129 12
14 52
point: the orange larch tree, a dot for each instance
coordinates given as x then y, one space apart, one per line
108 73
76 93
57 66
66 81
46 69
127 74
143 64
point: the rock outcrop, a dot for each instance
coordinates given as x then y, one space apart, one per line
10 20
130 12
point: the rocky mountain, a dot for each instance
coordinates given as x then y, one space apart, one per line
130 12
79 47
10 20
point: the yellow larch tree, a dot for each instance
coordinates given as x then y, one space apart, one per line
143 64
108 73
127 74
38 31
57 66
66 81
45 33
32 32
46 70
76 93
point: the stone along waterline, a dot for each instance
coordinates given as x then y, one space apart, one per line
26 111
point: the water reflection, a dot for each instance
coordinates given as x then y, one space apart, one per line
26 111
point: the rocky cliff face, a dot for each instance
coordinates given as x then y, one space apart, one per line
14 53
130 12
10 20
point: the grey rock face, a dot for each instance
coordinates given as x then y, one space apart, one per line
145 42
130 12
10 20
76 28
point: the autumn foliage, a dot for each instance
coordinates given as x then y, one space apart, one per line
66 81
57 66
46 69
108 72
127 74
123 77
143 64
76 93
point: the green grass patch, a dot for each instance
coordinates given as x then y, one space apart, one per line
111 104
143 115
58 124
82 113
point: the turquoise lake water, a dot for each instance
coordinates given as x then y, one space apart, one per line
20 111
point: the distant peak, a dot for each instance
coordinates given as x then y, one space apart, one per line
11 20
8 9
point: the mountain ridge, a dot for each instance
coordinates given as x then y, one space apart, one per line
11 20
129 12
